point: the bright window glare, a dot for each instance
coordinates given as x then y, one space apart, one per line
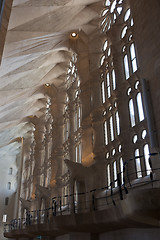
132 114
126 66
146 156
140 107
127 15
138 163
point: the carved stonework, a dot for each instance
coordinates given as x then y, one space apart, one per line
25 203
42 191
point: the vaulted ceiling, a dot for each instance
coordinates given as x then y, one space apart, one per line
37 51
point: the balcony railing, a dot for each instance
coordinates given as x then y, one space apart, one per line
93 200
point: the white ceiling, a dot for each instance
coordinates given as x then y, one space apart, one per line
37 51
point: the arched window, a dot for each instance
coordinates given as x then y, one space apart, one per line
115 173
108 85
109 72
103 92
133 58
124 31
78 157
121 169
105 133
111 128
9 185
109 15
79 116
146 157
140 107
10 171
108 175
75 191
105 45
127 15
138 163
126 66
102 60
144 133
6 201
113 79
130 60
117 123
4 219
131 112
135 138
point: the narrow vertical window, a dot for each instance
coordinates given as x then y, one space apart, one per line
79 152
111 128
76 94
78 155
6 201
75 192
4 218
131 112
79 116
10 171
102 60
133 58
75 121
64 198
138 163
76 149
108 175
67 129
140 107
103 93
105 133
115 173
121 169
146 157
108 85
9 185
113 79
117 123
126 66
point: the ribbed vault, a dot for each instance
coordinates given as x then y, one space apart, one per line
37 51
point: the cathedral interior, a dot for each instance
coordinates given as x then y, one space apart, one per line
79 119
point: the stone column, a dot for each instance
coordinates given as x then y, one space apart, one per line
48 145
39 150
72 127
57 108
